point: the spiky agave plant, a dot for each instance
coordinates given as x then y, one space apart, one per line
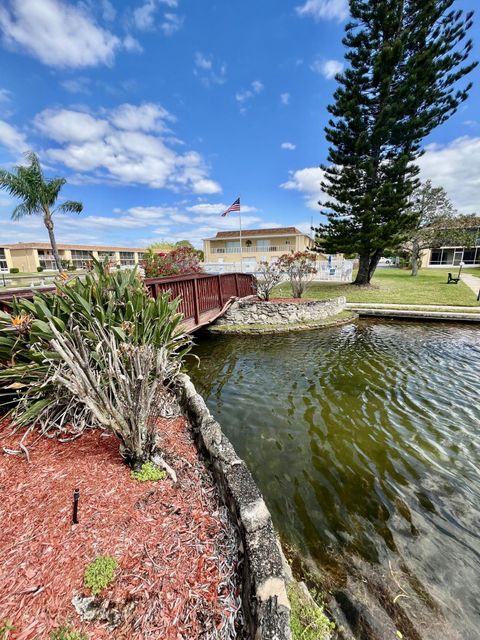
129 346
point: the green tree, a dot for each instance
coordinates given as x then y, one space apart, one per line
404 60
436 223
38 196
184 243
161 247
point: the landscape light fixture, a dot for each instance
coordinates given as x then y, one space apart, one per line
76 496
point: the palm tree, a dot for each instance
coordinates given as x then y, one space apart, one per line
38 196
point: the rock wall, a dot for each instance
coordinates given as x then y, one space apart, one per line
265 601
250 311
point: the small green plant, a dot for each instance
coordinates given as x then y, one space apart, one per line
307 621
14 270
148 473
100 573
39 269
5 627
65 632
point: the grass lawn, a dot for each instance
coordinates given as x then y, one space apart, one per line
395 286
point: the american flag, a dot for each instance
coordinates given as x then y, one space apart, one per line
234 207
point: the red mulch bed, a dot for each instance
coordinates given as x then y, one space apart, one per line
165 537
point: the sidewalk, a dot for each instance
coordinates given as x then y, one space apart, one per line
416 311
471 281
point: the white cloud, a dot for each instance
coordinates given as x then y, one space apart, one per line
289 146
227 222
216 208
324 9
172 23
128 145
144 16
285 98
208 71
307 181
77 85
202 61
108 10
146 117
328 68
455 167
5 95
244 96
56 33
65 125
11 138
257 86
132 44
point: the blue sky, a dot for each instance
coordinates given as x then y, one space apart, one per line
161 112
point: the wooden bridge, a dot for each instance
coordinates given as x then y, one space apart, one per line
204 297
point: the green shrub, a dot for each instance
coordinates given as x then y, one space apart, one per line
307 621
14 270
100 573
65 632
148 473
5 627
39 269
96 353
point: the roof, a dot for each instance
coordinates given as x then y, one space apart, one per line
80 247
277 231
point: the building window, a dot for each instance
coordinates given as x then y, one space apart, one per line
263 245
80 258
140 255
233 246
3 260
127 258
453 256
46 260
109 255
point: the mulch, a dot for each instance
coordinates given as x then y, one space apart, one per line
177 575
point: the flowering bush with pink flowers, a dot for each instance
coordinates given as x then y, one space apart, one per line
179 262
300 269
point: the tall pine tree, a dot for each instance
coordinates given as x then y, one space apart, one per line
405 58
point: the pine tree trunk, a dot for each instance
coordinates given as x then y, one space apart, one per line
414 259
362 274
366 269
47 219
374 260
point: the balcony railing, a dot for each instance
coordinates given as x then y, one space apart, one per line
255 249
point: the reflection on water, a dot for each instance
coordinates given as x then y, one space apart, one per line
364 440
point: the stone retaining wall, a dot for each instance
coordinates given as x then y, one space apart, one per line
251 311
265 601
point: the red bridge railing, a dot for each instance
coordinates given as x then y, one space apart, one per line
203 296
201 293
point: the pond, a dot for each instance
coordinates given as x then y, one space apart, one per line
365 441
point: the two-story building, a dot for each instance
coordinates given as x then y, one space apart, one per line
259 245
30 256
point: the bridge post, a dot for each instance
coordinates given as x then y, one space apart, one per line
220 295
236 285
195 301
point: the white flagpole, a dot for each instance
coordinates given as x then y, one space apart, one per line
240 221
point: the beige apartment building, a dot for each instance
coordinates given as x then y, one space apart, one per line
452 256
260 245
29 256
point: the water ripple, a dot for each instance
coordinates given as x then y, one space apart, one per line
363 438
